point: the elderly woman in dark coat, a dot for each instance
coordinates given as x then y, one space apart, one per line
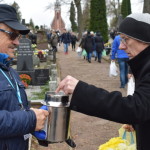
99 46
89 46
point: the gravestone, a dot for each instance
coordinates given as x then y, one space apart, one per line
25 63
52 85
54 75
41 76
24 57
36 61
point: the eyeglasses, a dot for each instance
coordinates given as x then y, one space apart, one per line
12 35
124 40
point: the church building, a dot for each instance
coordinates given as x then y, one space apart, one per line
58 23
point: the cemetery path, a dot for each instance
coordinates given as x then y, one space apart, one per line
87 132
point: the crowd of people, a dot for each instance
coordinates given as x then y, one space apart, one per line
91 43
66 38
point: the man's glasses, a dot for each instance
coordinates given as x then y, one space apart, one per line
124 40
12 35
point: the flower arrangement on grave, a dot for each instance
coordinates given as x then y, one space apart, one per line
44 52
108 44
26 79
34 46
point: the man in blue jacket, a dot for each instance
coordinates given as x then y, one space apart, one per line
17 120
122 58
66 39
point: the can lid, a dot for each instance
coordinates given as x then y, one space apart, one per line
59 97
55 104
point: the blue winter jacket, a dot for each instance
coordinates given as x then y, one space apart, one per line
116 52
66 38
14 122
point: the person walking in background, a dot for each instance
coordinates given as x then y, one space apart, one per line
113 33
48 35
58 34
122 58
89 46
99 45
81 44
54 39
17 120
73 41
66 40
133 109
94 54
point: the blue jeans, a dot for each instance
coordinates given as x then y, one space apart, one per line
66 47
123 67
99 55
89 55
94 53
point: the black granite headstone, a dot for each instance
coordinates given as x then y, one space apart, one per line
41 76
25 64
24 57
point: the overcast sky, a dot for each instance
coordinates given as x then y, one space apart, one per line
36 9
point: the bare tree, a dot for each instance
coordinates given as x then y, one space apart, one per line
146 6
113 11
113 8
86 15
79 16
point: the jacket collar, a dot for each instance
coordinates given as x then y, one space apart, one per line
139 61
3 61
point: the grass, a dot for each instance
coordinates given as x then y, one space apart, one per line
40 95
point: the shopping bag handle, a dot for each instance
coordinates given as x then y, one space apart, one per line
131 135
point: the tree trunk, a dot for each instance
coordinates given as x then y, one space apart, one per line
79 16
146 6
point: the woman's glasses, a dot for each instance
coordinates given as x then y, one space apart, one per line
12 35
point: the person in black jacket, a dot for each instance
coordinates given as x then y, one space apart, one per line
89 46
99 45
73 41
17 120
133 109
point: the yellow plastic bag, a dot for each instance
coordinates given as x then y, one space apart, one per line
130 136
125 141
116 143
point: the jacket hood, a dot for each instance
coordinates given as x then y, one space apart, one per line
3 59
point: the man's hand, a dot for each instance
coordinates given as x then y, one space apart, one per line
130 75
67 85
128 127
113 60
40 118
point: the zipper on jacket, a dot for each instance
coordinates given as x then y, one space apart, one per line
10 75
12 79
